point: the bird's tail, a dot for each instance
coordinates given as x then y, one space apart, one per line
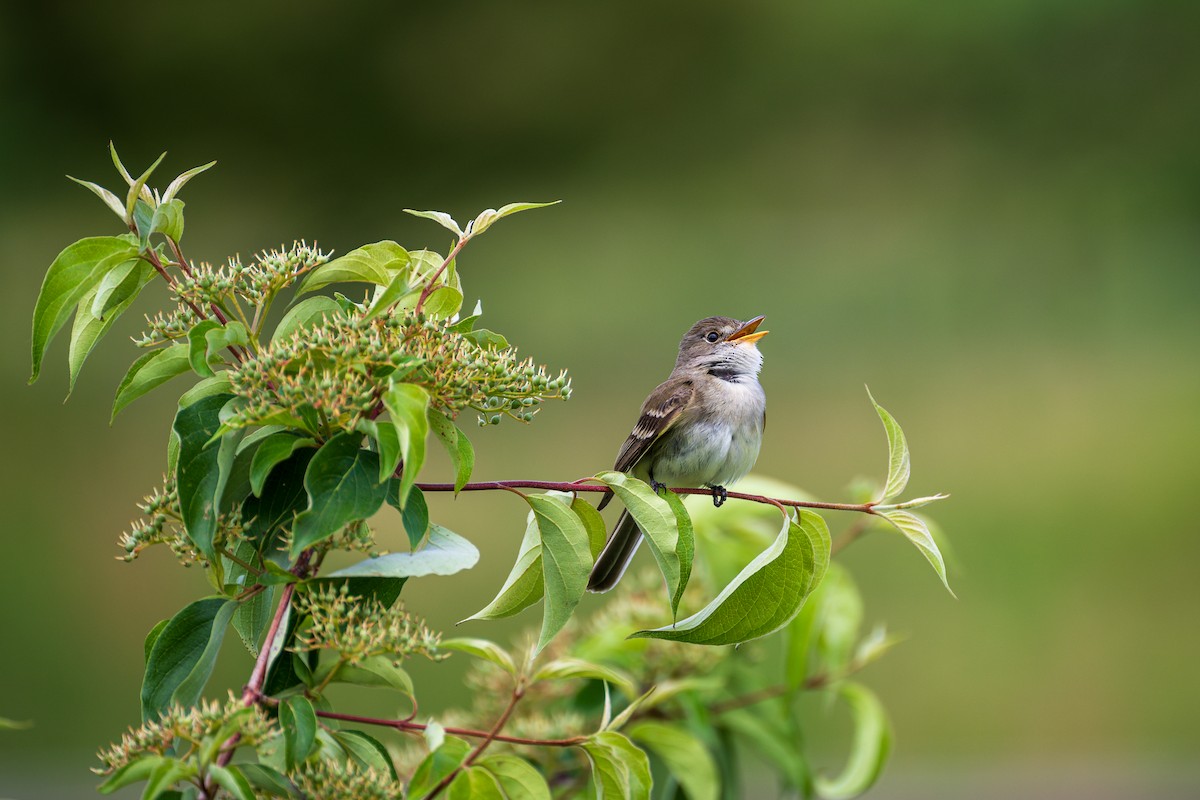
615 557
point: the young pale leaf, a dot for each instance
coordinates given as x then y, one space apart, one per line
342 487
435 735
474 783
917 532
869 750
89 327
445 553
899 463
179 182
150 371
764 596
458 446
110 199
567 668
203 470
274 449
656 517
378 671
182 657
524 585
232 781
406 404
367 751
168 220
441 218
305 314
619 768
685 756
482 648
437 765
372 263
566 562
491 215
74 273
519 779
298 720
138 189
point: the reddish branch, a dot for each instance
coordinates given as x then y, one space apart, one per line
432 284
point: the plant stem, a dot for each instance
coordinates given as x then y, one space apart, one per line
429 286
517 694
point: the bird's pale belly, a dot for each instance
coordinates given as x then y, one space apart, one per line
702 454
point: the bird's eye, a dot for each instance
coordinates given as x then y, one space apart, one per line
713 336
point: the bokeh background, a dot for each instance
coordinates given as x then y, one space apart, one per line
986 211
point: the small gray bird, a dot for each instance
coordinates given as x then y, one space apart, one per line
703 426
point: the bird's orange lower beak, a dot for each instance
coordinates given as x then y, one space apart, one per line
748 333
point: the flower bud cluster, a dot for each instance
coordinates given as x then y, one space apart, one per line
357 628
162 523
322 778
190 727
163 328
341 369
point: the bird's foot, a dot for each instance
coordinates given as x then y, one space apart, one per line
656 486
719 494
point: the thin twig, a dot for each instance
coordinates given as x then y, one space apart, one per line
517 694
430 285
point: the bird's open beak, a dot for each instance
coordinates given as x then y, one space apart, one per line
747 333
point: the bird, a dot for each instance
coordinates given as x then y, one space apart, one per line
702 426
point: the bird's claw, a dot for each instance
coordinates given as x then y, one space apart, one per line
719 494
656 486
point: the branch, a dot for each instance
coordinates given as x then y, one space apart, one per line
429 287
579 486
517 694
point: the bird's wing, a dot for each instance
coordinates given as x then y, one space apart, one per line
659 413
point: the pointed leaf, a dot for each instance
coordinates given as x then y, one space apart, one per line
437 765
232 781
458 446
619 768
379 671
519 779
298 720
491 215
182 657
150 371
139 769
89 327
111 200
899 465
685 756
138 188
203 470
367 751
474 783
445 553
764 596
74 273
266 779
415 514
307 313
406 404
168 219
917 532
373 263
276 448
870 748
594 524
685 547
566 562
568 668
342 487
179 182
387 444
657 519
524 585
441 218
482 648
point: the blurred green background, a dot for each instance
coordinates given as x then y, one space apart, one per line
986 211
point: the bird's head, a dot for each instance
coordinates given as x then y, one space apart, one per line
723 346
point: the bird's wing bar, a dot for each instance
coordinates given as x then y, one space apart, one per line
659 413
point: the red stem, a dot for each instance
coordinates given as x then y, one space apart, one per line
428 290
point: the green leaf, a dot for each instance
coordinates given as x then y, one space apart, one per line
139 769
771 742
89 327
765 595
442 303
406 404
387 444
206 339
111 200
445 553
839 613
462 454
179 182
231 780
917 532
202 470
415 514
342 487
182 657
306 314
685 756
593 523
266 779
568 668
276 448
372 263
685 547
441 218
870 748
298 720
566 562
482 648
151 637
283 496
437 765
658 519
524 585
168 219
619 768
487 340
519 779
367 751
386 296
474 783
74 273
150 371
166 776
135 188
252 617
102 296
899 465
491 215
